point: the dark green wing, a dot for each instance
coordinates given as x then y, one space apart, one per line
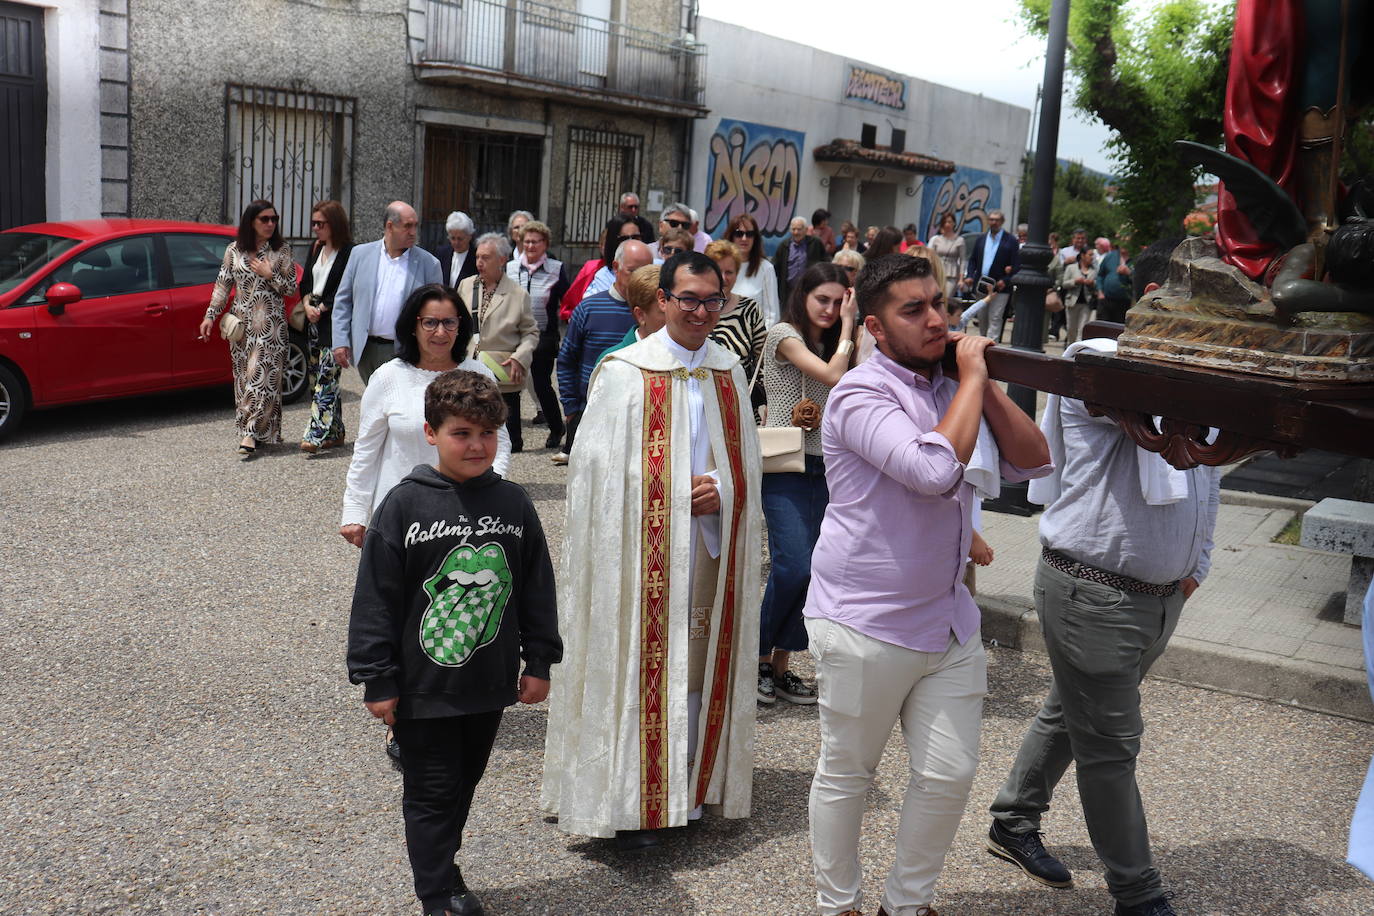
1271 211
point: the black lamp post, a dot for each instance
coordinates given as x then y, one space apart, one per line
1032 281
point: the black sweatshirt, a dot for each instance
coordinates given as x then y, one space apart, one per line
454 587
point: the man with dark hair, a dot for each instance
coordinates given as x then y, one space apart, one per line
821 229
910 236
1113 282
659 589
1151 269
894 630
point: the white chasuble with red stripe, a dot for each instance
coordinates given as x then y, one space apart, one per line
616 755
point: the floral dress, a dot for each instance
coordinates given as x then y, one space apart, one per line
259 360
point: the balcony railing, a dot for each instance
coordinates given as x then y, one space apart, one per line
520 40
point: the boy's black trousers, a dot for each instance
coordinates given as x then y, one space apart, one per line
442 761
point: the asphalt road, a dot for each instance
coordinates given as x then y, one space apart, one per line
180 735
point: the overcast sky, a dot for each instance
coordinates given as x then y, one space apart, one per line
974 45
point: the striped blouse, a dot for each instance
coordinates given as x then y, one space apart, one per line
742 332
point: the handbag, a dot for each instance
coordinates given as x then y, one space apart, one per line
1052 301
297 317
231 328
782 448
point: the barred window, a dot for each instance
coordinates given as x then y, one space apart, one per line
290 147
602 165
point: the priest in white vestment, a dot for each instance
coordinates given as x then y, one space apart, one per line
652 715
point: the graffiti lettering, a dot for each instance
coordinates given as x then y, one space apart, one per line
967 204
969 194
754 169
878 88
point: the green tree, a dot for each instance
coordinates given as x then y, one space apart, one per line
1080 202
1151 78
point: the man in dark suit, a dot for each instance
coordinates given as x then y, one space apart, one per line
629 210
793 256
456 258
996 256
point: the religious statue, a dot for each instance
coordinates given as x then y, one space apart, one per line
1286 287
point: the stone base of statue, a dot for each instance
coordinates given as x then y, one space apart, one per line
1211 315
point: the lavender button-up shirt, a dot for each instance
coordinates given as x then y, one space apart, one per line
890 559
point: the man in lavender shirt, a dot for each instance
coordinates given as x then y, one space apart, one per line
894 632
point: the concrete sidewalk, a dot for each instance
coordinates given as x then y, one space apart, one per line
1266 623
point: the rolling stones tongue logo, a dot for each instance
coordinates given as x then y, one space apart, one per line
467 597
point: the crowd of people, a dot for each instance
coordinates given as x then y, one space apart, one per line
707 397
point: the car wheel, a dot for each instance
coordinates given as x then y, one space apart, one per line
14 401
296 380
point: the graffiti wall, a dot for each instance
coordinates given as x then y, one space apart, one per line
968 193
754 169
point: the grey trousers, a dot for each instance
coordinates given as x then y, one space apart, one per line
1101 641
375 352
994 316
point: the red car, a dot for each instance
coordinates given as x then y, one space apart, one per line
111 308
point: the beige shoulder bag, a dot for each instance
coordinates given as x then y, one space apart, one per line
783 448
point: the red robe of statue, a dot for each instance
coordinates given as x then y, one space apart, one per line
1261 117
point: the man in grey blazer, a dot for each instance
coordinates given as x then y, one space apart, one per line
379 277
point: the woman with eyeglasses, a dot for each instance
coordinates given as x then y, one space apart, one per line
596 275
805 355
258 267
671 242
546 282
757 280
432 336
740 327
323 270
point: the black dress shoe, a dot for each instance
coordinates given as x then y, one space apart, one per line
464 901
1159 906
636 840
1027 852
554 440
539 418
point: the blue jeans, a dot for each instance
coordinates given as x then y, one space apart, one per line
793 505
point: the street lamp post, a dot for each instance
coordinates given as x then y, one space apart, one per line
1032 281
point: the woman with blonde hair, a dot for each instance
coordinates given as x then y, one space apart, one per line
740 328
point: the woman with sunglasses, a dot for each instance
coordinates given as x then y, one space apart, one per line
804 356
757 280
258 267
320 280
432 336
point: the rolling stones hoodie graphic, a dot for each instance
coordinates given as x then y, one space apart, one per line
454 588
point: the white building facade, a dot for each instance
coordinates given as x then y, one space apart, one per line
792 129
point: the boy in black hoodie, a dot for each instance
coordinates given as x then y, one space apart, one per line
454 587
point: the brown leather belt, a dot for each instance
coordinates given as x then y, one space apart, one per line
1093 574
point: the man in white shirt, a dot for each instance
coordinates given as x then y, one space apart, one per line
378 278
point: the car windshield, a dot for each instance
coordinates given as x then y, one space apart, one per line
24 253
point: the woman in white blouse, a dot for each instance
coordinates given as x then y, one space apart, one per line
757 279
432 336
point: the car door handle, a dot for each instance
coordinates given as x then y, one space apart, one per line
155 309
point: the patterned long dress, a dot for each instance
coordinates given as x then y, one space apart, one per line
259 360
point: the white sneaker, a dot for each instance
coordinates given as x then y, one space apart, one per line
561 458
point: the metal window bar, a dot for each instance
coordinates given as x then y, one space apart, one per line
485 175
560 46
291 147
602 165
